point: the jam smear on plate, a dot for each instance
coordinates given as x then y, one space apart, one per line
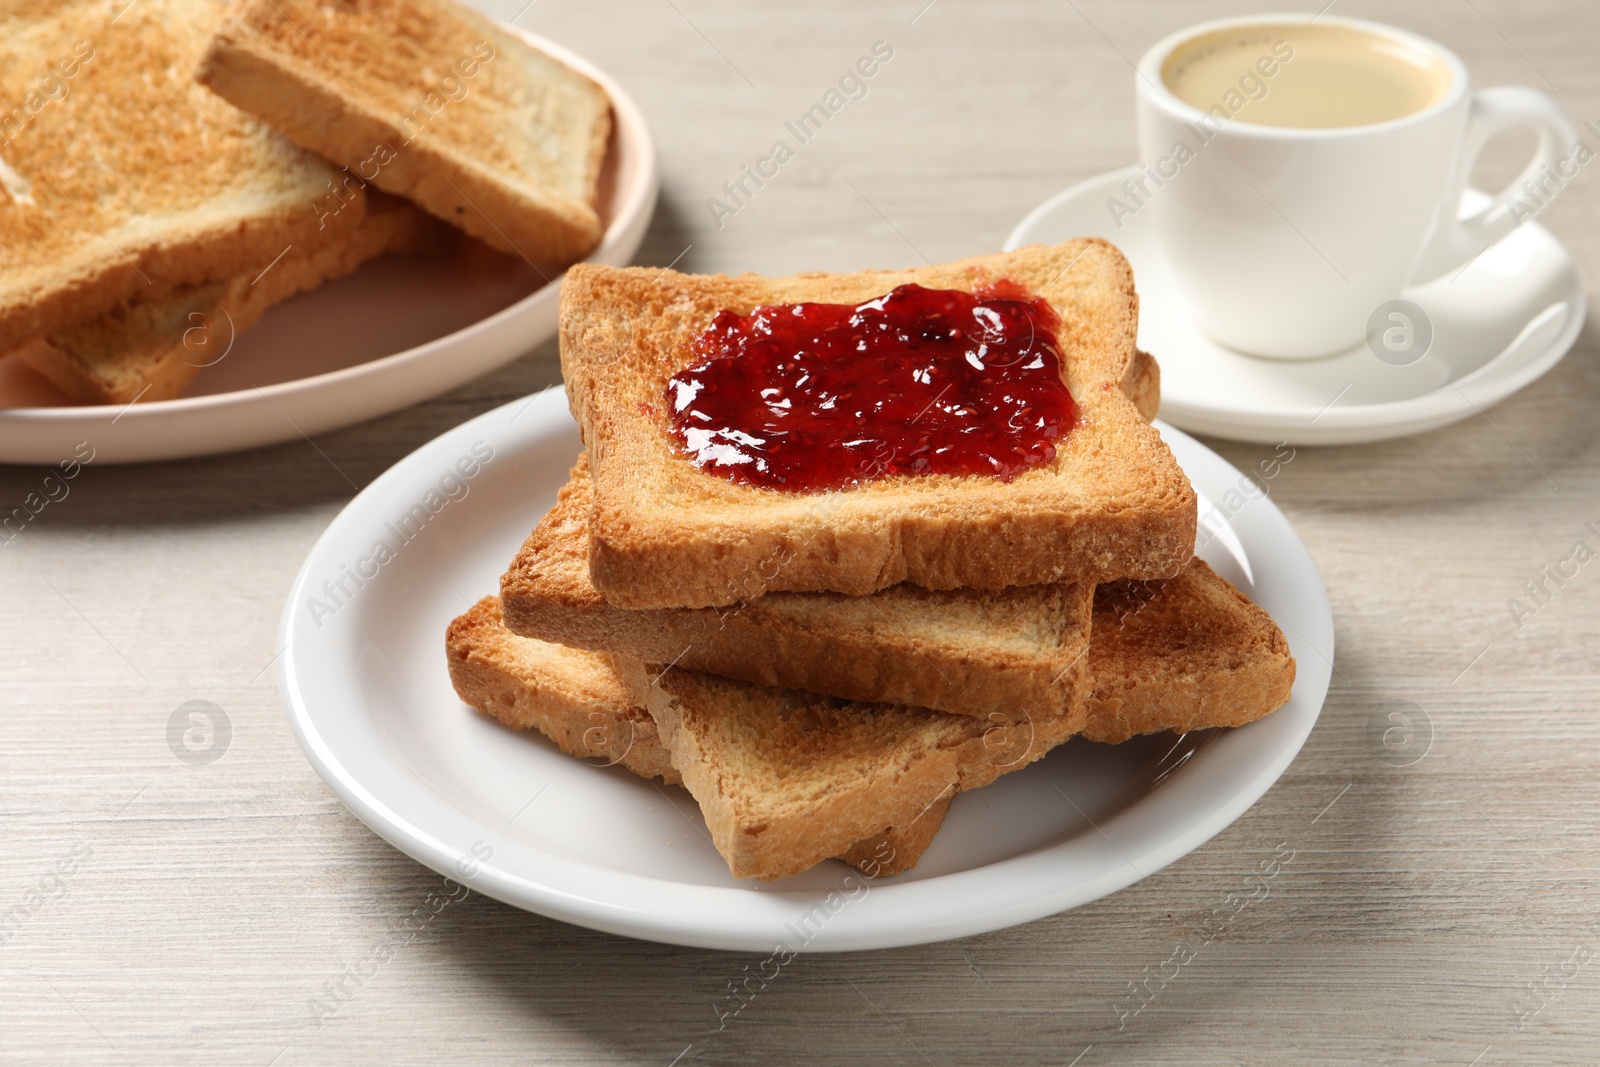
809 397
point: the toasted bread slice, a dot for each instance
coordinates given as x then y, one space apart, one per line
572 697
783 776
577 700
786 779
151 348
1185 653
898 848
429 100
1112 504
120 176
1009 652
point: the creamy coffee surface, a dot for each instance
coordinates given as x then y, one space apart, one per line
1307 76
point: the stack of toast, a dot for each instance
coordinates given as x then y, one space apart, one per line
826 670
174 168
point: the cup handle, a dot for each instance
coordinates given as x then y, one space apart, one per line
1456 241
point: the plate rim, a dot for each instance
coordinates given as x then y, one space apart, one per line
638 205
715 927
1425 411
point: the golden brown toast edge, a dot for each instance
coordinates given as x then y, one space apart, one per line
821 642
571 697
1183 653
1142 383
576 700
795 807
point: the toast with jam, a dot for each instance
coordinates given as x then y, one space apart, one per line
428 100
963 426
1007 652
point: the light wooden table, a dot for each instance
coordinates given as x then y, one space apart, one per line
203 906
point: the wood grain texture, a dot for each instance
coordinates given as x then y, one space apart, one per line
207 904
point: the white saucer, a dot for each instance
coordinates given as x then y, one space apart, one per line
393 334
369 698
1501 323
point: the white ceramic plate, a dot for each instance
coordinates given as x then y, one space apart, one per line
364 679
1497 325
393 334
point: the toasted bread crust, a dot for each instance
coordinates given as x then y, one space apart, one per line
786 778
1185 653
1142 383
151 348
577 700
1182 654
134 180
898 848
341 80
573 698
903 645
1112 504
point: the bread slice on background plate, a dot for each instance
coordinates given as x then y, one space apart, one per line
431 101
119 176
1111 504
151 348
784 778
1010 652
577 700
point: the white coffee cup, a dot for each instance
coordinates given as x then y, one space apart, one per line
1286 239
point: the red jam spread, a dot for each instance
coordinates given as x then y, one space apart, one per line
807 397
